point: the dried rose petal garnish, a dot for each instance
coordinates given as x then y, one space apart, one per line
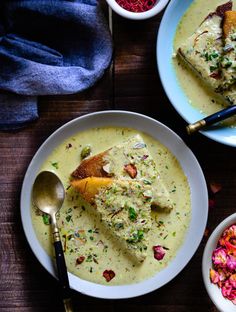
206 232
232 280
131 170
223 272
109 275
212 203
219 257
159 252
214 276
215 187
80 259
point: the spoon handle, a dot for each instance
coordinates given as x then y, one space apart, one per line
211 119
62 274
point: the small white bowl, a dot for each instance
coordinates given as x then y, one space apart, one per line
158 7
214 292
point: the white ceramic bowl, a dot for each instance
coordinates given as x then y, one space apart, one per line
190 166
158 7
173 14
222 304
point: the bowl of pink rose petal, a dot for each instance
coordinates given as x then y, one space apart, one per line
137 9
219 265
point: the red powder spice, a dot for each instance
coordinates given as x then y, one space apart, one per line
137 5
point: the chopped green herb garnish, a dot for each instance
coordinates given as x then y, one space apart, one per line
89 258
212 68
147 182
213 55
136 237
210 56
206 56
228 64
68 218
105 248
55 165
140 234
86 151
132 214
46 219
160 223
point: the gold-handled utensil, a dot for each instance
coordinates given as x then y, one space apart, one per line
48 196
211 119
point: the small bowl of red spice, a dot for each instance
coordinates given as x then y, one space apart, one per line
137 9
219 265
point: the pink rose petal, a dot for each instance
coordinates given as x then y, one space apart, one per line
226 289
229 232
215 187
232 280
214 276
222 275
219 257
232 295
211 203
108 275
159 252
231 263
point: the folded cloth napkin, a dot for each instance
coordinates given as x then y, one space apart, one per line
48 47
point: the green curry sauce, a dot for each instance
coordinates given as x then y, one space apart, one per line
89 247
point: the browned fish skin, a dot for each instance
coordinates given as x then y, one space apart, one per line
229 22
91 167
89 187
221 9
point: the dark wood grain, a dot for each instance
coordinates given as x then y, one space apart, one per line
24 284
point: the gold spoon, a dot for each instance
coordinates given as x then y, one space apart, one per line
48 196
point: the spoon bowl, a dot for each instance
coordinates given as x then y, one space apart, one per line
48 192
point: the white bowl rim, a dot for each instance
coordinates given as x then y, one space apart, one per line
210 287
197 230
157 8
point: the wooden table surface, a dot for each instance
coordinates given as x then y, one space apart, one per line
134 85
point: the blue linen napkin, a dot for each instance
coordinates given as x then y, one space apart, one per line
48 47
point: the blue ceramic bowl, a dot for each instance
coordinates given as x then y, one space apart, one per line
164 50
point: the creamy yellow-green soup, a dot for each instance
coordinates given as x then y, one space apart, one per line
89 247
199 95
